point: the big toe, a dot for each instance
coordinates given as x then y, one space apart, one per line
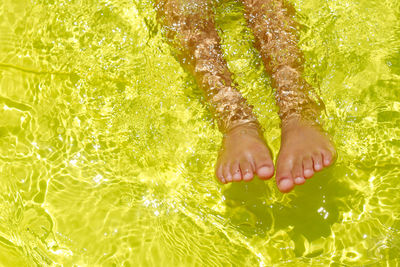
265 172
264 166
285 184
284 178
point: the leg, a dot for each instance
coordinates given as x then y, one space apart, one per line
189 26
305 148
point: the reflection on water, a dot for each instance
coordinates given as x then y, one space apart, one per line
107 152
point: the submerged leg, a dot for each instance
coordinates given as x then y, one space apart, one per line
189 26
305 148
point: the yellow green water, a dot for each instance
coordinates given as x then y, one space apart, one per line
107 151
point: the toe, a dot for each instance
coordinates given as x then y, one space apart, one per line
285 185
327 157
308 167
265 172
218 173
227 173
299 180
297 172
263 165
284 178
247 170
317 159
235 170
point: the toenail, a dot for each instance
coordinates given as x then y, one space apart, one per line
299 180
248 175
308 173
285 183
236 176
264 171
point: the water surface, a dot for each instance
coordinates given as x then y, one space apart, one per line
107 149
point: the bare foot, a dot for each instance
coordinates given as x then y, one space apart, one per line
244 153
305 149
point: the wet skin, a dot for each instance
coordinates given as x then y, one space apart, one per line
305 149
243 154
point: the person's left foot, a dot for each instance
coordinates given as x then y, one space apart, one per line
305 149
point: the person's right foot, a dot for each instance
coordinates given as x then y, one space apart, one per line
243 154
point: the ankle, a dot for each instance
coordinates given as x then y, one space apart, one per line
244 128
296 121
